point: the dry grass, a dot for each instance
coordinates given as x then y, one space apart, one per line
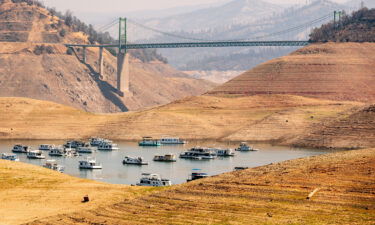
273 194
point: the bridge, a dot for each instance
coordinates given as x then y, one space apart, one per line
123 46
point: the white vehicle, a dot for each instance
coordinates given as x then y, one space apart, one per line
172 141
165 158
153 180
37 154
134 161
10 157
90 164
108 146
224 152
199 153
52 164
46 147
21 149
245 148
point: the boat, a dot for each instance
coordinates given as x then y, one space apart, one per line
165 158
10 157
172 141
238 168
97 141
57 151
195 175
37 154
245 148
224 152
46 147
134 161
108 146
88 149
154 180
74 144
21 149
52 164
199 153
89 163
148 141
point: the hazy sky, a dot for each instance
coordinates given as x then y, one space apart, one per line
134 5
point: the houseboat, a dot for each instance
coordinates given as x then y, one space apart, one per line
37 154
196 174
165 158
108 146
57 151
199 153
10 157
46 147
134 161
245 148
52 164
90 164
74 144
224 152
87 149
153 180
148 141
172 141
97 141
21 149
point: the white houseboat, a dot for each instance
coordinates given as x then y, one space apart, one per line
10 157
37 154
21 149
108 146
172 141
224 152
87 149
199 153
134 161
149 141
89 163
46 147
245 148
196 174
153 180
52 164
97 141
165 158
57 151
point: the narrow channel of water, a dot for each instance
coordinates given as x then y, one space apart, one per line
115 172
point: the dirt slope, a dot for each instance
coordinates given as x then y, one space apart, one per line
30 192
335 71
53 75
273 194
282 119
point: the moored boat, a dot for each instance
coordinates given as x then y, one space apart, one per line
37 154
57 151
21 149
46 147
196 174
52 164
172 141
224 152
199 153
74 144
108 146
97 141
10 157
245 148
153 180
89 163
87 149
149 141
165 158
134 161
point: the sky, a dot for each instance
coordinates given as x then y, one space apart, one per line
135 5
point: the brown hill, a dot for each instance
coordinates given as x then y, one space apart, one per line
336 71
272 194
281 119
35 64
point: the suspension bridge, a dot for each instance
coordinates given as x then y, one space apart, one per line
189 42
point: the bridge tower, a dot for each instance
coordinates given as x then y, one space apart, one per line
122 60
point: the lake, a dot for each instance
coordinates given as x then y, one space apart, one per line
115 172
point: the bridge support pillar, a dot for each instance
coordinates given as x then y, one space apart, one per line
101 62
123 73
84 54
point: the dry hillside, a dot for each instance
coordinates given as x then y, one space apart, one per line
335 71
34 64
282 119
273 194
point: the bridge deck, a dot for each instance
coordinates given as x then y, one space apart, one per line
199 44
